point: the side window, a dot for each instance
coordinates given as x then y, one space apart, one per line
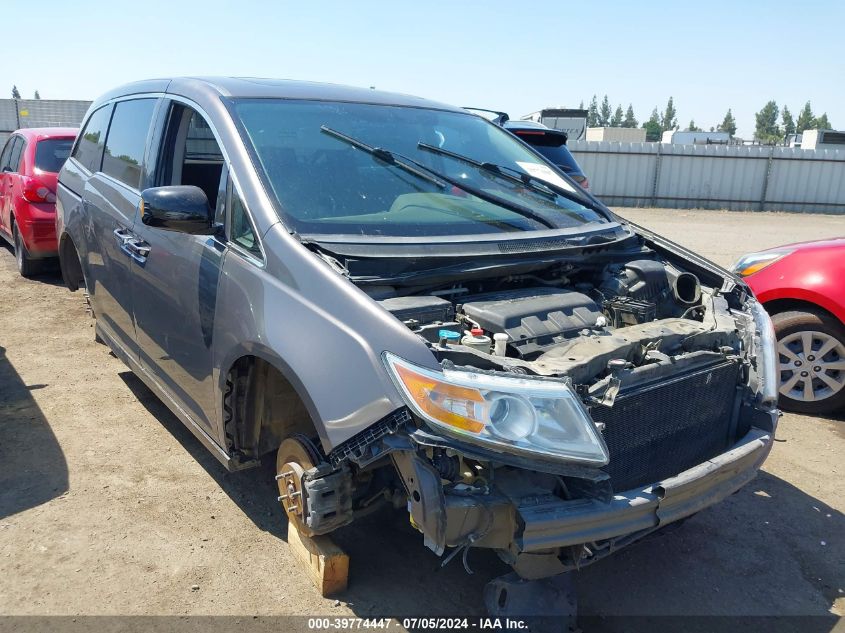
191 155
17 152
127 139
5 163
240 229
89 147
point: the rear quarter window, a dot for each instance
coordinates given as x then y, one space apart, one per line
51 153
89 148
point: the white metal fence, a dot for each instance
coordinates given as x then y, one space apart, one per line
18 113
714 176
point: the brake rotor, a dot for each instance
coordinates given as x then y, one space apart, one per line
296 455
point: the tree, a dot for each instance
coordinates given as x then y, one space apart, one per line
788 123
630 119
593 113
806 120
581 105
36 95
670 119
767 130
692 127
822 123
653 129
16 94
604 113
728 124
616 119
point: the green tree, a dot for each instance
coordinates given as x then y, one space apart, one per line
604 112
788 122
822 123
616 119
767 130
630 119
806 120
670 118
728 124
653 129
581 105
36 96
692 127
593 113
16 94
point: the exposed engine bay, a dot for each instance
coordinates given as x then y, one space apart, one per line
662 356
635 314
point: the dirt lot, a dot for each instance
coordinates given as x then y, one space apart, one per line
109 506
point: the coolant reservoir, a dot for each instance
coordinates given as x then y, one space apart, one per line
476 339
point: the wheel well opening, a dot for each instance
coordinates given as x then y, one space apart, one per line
261 408
70 265
776 306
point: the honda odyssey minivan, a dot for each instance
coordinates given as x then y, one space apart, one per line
405 305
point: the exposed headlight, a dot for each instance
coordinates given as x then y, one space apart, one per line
765 351
755 262
517 415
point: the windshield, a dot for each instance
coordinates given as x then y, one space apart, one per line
326 184
51 153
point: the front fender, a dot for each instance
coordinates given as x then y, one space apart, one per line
806 295
323 333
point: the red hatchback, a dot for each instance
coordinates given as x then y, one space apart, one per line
29 166
802 286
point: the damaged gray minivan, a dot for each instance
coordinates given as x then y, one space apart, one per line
407 305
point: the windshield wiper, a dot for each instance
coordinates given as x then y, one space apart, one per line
386 156
508 173
414 167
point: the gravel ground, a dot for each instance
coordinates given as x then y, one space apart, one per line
109 506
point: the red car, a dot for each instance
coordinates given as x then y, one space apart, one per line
29 166
802 286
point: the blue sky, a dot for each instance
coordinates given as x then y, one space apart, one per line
502 55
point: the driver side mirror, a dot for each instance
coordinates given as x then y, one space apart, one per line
181 208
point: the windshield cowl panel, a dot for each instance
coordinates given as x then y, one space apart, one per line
356 169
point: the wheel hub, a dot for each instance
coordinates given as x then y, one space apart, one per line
812 366
296 456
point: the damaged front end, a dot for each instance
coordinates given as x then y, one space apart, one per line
576 409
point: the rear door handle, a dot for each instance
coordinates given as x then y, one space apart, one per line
122 235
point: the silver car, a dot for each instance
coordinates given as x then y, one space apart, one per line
408 306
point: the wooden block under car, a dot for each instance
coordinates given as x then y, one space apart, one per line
326 563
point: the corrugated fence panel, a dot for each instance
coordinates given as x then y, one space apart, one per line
622 172
714 176
796 172
53 112
21 113
8 115
711 176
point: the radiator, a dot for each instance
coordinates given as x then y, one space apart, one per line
659 430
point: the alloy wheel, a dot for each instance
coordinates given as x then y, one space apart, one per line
812 366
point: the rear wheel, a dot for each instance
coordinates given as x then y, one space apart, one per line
27 266
811 352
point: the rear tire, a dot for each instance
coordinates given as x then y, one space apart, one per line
27 266
811 362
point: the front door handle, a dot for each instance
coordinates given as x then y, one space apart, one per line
138 248
132 245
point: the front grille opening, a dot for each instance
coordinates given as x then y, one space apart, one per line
657 431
